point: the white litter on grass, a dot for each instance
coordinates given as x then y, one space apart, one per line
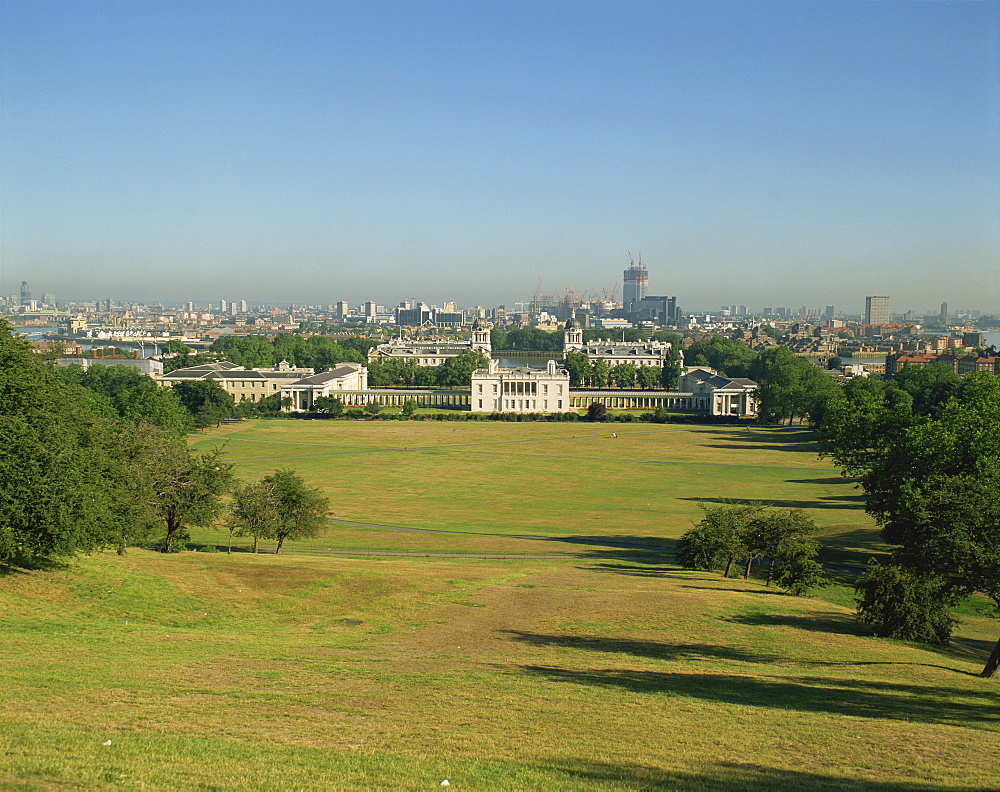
446 782
106 742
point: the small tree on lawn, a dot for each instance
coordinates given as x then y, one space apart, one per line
596 412
901 603
253 512
301 510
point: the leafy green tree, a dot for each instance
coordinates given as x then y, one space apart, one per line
59 476
185 488
175 347
128 393
252 512
409 407
930 482
456 372
671 368
717 539
328 405
578 366
727 356
789 386
373 408
301 510
600 372
623 375
833 363
206 401
900 603
752 531
649 377
596 412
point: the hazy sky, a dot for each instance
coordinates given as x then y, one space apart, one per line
765 153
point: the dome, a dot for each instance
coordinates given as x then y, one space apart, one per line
571 324
478 325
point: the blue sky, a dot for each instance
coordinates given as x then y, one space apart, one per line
755 152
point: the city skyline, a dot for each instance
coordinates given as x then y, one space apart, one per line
766 154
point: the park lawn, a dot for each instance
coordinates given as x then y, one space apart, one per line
216 672
546 479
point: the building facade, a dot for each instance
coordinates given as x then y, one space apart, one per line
521 389
876 310
434 353
639 353
251 385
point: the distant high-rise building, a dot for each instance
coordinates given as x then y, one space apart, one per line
243 306
223 306
25 293
341 309
876 310
371 309
944 312
828 313
636 279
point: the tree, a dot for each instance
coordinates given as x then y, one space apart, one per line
623 375
175 347
328 405
752 531
301 510
59 476
253 512
649 377
671 368
578 366
599 372
717 539
185 488
409 408
929 471
596 412
899 603
456 372
206 401
729 357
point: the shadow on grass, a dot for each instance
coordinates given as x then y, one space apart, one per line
724 589
651 569
827 480
723 776
840 624
845 502
25 566
657 650
854 698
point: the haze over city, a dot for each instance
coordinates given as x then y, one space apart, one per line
766 153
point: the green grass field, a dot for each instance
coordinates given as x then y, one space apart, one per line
592 666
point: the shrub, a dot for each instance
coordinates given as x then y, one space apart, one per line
899 603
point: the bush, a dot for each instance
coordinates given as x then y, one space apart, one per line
596 412
899 603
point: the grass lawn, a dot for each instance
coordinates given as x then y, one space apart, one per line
580 661
210 671
560 481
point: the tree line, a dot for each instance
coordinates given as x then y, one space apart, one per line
85 468
925 448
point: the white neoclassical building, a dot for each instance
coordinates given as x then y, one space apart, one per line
734 397
521 389
431 352
638 353
251 385
302 393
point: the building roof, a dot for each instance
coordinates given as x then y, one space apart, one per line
342 370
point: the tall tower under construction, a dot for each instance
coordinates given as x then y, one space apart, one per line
635 281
